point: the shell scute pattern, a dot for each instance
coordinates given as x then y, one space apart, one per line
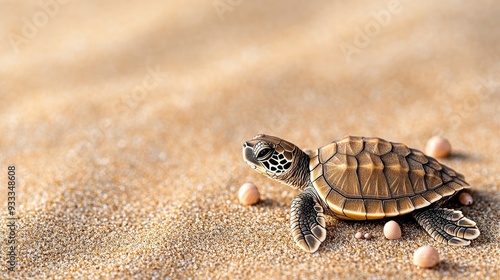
405 205
417 176
431 196
434 164
374 209
418 156
341 170
370 178
350 145
419 200
323 187
336 202
390 208
314 161
355 209
327 152
400 149
377 146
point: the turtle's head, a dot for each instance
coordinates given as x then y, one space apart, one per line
278 159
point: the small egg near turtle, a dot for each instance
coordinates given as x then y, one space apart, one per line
438 147
465 198
392 230
426 257
358 235
248 194
368 235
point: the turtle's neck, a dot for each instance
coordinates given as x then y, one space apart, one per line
299 176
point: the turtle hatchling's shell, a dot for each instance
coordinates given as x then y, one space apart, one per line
363 178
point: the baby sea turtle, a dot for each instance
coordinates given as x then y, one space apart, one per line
362 178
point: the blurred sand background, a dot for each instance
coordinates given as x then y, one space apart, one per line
125 121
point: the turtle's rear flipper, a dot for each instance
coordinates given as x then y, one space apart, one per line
447 225
307 222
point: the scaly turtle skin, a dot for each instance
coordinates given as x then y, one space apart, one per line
361 178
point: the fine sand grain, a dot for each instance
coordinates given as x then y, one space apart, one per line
125 120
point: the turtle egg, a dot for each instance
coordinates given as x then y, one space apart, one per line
438 147
358 235
368 235
426 257
248 194
392 230
465 198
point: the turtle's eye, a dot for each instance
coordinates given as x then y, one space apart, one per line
264 153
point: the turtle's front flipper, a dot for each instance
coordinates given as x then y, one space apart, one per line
307 221
447 225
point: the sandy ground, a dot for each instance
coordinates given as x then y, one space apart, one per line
125 120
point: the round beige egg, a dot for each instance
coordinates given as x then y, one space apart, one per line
426 257
392 230
438 147
248 194
465 198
